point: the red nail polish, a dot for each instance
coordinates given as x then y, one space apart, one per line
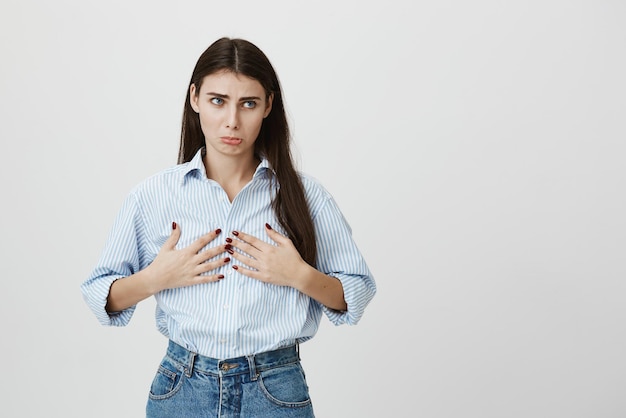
235 267
229 251
235 233
228 247
268 226
221 276
173 225
218 231
229 240
226 260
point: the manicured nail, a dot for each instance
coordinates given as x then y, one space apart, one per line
229 251
221 276
235 267
218 231
268 226
229 240
227 259
174 225
228 247
235 233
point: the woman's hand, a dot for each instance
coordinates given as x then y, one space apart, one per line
279 264
171 268
282 265
188 266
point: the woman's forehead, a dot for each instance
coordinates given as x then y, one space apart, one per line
228 80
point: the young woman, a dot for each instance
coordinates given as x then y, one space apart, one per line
242 253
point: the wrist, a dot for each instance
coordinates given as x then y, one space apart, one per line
304 277
150 281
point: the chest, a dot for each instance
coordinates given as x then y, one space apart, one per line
202 207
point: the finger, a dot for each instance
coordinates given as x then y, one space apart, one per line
201 242
172 240
203 256
203 268
275 235
251 240
247 261
208 278
254 274
244 247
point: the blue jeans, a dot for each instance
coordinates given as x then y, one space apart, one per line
189 385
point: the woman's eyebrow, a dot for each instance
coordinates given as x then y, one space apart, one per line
225 96
211 93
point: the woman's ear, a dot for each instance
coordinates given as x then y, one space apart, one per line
268 106
193 98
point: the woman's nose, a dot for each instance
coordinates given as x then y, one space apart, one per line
232 120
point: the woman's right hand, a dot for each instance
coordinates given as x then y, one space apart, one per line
173 268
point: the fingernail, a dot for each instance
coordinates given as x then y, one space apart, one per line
268 226
229 251
229 240
221 276
226 260
235 267
218 231
228 247
174 225
235 233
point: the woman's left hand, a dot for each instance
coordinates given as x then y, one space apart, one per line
279 264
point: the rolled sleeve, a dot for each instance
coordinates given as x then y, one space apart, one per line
338 256
358 291
119 259
95 292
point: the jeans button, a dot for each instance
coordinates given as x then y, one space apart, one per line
227 366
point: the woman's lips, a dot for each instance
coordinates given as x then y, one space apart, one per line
231 140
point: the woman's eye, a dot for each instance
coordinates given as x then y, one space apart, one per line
217 101
249 104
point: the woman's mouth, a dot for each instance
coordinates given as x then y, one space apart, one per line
231 140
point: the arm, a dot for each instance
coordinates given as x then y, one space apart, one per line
118 282
338 256
282 265
325 289
170 269
342 283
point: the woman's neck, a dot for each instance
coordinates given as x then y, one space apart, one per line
232 173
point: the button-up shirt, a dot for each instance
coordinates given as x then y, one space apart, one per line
237 315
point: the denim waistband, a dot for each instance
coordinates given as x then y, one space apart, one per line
253 364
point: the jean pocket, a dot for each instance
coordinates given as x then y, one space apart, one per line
285 386
167 381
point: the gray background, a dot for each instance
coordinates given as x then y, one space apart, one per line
476 148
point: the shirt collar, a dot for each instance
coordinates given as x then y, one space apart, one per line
195 167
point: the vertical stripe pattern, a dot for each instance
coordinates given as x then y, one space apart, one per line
237 315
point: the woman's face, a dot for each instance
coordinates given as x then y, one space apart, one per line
231 109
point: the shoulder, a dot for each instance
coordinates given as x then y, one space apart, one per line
163 180
311 183
316 194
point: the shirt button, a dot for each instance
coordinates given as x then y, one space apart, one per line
226 306
222 340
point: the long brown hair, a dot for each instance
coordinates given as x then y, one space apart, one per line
289 203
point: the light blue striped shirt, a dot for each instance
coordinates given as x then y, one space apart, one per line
237 315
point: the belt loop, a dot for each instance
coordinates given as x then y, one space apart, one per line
189 368
252 364
298 349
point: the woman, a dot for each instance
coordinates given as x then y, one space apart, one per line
241 252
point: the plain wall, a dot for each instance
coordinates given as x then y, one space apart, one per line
476 148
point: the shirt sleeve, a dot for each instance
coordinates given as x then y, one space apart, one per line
338 256
119 259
